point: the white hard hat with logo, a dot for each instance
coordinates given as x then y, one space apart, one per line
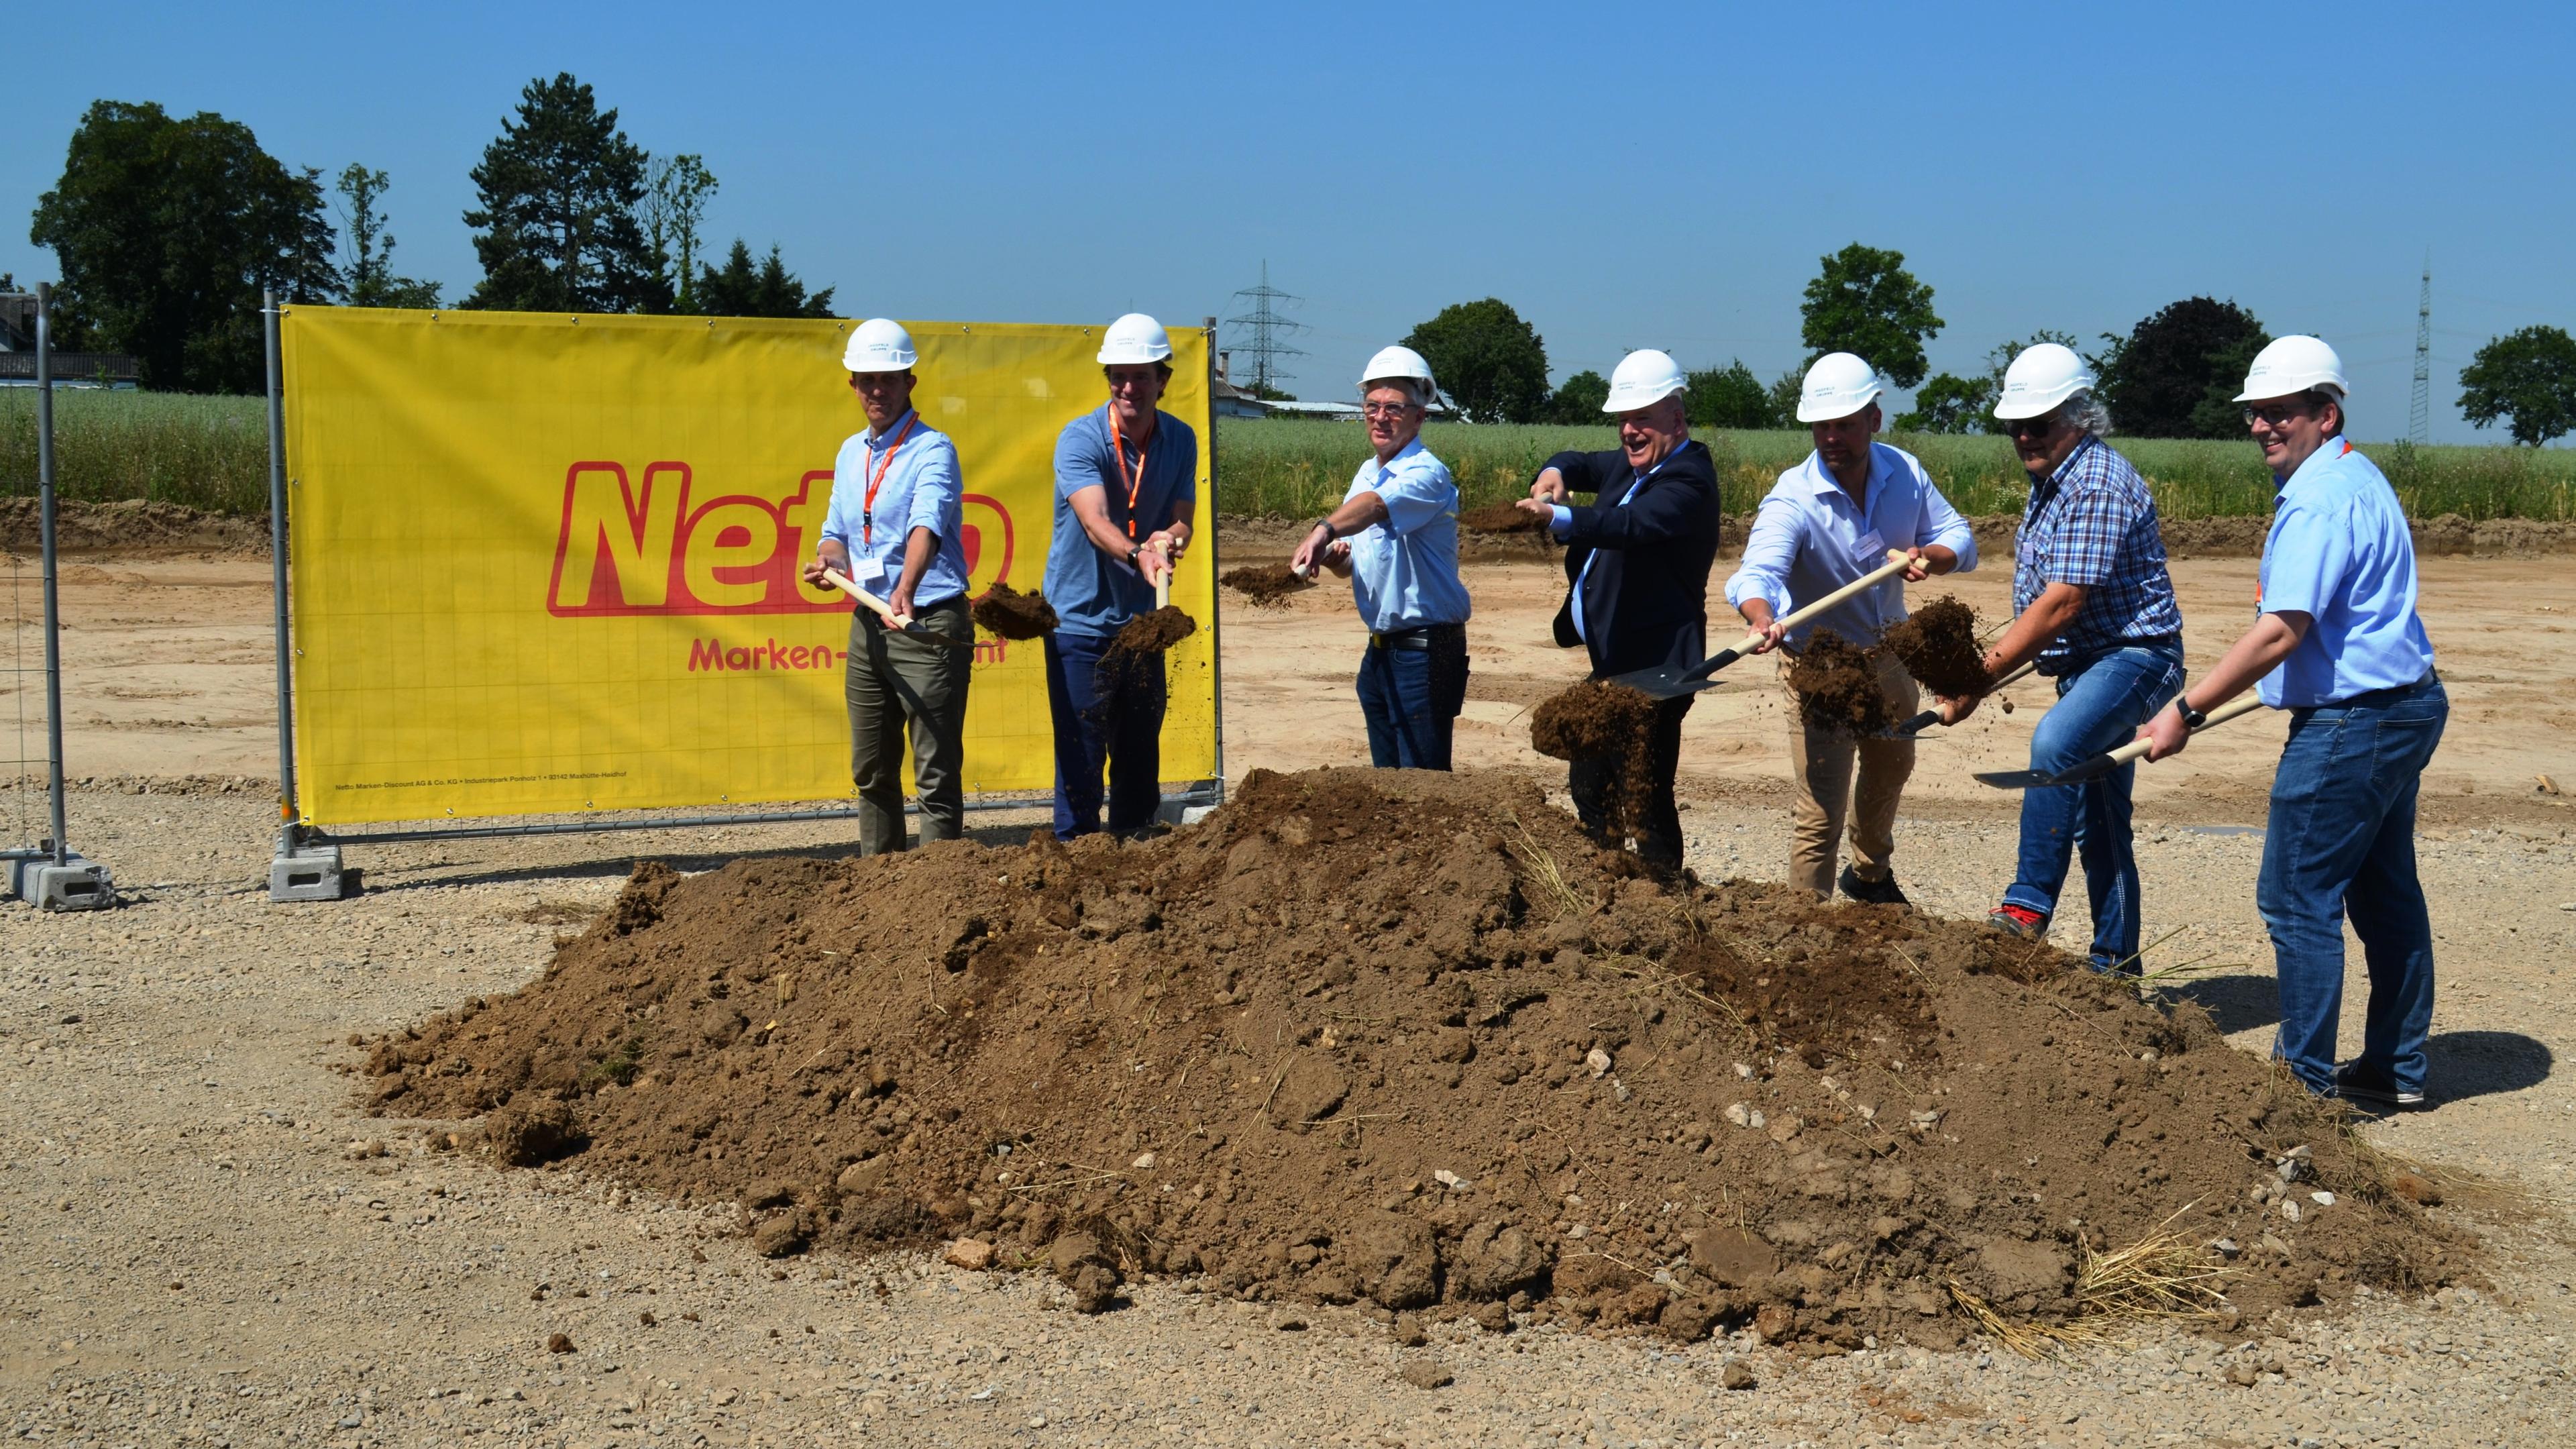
1134 339
1839 385
1397 362
879 345
1642 377
2293 364
2042 376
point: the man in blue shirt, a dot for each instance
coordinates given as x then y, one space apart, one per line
1826 523
2336 641
2092 601
894 529
1126 486
1396 538
1636 566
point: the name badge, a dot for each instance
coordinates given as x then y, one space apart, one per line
1870 552
868 573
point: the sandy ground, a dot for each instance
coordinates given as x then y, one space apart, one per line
195 1253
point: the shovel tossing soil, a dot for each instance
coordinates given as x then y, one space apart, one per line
1502 518
1938 646
1266 586
1406 1039
1837 686
1014 615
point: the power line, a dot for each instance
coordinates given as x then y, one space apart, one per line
1263 334
2419 413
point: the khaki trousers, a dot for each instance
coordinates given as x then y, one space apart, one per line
1820 761
894 680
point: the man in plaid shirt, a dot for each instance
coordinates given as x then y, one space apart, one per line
2093 603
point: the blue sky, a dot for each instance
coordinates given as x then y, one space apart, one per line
1662 176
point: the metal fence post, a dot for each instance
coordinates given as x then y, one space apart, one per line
60 880
302 869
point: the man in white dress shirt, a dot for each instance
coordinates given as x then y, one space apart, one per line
1826 522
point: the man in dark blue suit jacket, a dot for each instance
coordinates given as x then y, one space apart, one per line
1636 564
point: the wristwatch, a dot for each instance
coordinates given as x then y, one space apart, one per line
1135 551
1326 525
2192 719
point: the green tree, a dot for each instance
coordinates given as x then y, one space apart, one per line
676 191
2157 379
1948 403
767 290
2528 377
1729 397
1786 389
1864 301
1492 364
1579 399
559 189
166 230
370 247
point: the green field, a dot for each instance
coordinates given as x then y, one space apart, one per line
212 453
1298 468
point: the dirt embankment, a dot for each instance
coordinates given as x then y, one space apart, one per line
134 526
1408 1039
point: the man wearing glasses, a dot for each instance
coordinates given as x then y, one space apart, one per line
2094 605
2337 643
1396 538
1126 485
1826 523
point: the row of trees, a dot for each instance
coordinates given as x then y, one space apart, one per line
168 228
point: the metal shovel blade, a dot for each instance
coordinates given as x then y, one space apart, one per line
2075 774
1672 681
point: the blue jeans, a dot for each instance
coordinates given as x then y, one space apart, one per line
2341 842
1411 699
2100 704
1104 722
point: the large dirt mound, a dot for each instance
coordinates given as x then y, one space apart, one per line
1407 1037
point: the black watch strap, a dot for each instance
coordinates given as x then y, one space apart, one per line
2192 719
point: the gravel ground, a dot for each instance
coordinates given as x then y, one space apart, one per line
206 1244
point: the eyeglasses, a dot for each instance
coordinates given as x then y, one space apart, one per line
1389 412
2038 427
2278 415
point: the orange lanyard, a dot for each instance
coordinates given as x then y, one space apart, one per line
1118 445
868 505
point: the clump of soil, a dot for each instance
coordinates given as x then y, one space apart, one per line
1014 615
1502 518
1152 633
1266 586
1938 646
1409 1039
1592 720
1837 686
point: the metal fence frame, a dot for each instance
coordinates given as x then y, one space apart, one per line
308 864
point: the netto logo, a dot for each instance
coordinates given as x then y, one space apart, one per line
626 548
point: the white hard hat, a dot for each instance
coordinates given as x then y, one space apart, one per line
1642 377
879 345
2293 364
1839 385
1397 362
1132 339
2042 376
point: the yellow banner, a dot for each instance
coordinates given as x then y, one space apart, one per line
548 563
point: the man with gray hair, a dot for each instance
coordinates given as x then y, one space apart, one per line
2093 603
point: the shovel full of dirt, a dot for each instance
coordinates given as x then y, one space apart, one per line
1672 681
1015 615
1267 586
2109 760
1160 630
1930 717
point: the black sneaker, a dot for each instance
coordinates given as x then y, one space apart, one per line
1872 892
2359 1081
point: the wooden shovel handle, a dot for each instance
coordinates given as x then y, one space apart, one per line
1897 563
2243 704
878 606
1163 580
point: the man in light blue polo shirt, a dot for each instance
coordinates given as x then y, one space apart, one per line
894 530
1126 486
2336 642
1826 523
1396 538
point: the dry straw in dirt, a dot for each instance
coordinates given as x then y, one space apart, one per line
1407 1039
1837 686
1014 615
1938 646
1266 586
